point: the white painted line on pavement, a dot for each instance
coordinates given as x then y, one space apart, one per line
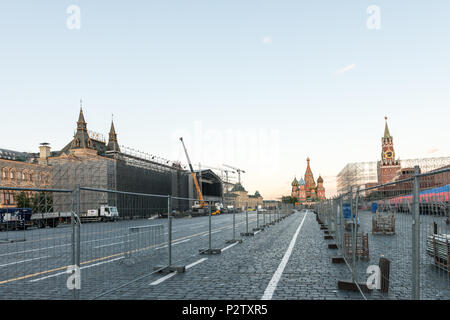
268 293
196 263
211 233
173 244
85 267
8 264
32 250
170 275
228 247
111 244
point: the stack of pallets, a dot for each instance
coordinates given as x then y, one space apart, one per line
362 245
438 247
383 224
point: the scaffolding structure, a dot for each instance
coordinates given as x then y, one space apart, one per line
119 171
365 174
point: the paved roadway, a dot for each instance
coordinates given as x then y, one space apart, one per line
288 260
36 268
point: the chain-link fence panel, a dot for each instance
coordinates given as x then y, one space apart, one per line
37 246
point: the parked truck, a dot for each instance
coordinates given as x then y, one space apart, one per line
103 213
23 218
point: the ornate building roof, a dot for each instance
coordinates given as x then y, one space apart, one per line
83 140
13 155
309 177
238 187
295 182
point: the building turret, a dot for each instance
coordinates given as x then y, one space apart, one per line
320 188
294 185
113 144
81 137
310 184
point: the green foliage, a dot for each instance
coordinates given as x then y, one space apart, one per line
289 199
43 202
22 200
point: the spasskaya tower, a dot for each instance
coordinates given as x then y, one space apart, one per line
388 166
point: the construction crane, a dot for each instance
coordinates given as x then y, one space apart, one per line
194 177
237 170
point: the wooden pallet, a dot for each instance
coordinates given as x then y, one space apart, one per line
362 245
383 224
438 247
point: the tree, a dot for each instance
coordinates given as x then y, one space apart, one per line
43 202
289 199
22 200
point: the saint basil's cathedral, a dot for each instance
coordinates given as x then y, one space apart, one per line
306 189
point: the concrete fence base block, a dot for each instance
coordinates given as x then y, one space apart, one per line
246 234
210 251
328 237
332 246
233 241
258 229
11 240
170 269
337 260
351 286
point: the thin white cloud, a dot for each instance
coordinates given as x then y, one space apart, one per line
346 68
267 40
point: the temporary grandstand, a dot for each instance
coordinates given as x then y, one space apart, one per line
365 174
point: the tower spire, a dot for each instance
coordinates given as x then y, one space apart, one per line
81 138
113 144
386 129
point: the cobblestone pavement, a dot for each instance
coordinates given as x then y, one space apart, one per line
434 283
244 271
36 268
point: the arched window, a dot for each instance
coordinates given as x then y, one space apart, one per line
4 173
12 174
31 177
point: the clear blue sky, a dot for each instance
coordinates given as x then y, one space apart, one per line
309 76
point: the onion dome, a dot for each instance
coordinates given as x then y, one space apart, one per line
320 180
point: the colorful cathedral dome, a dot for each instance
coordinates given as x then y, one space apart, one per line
295 182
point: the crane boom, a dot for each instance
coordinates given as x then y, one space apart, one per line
237 170
194 177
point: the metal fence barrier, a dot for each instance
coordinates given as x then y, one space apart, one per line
93 243
36 243
394 237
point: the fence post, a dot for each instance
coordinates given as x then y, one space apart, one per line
169 268
169 231
246 218
78 245
416 238
264 218
234 224
210 213
355 228
72 222
234 240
